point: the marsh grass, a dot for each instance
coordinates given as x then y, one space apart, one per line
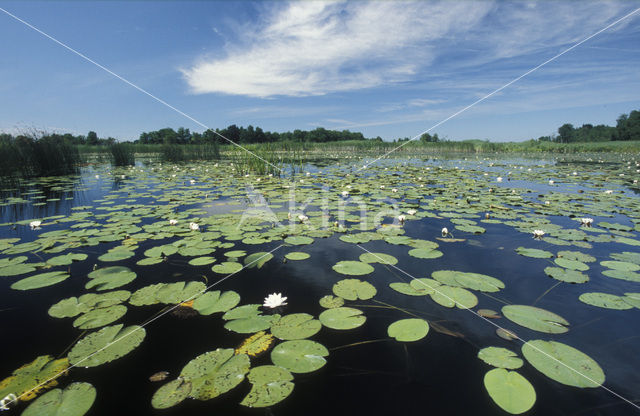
28 157
122 154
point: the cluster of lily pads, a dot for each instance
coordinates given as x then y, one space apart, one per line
196 216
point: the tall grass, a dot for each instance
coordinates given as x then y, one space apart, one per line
25 156
122 154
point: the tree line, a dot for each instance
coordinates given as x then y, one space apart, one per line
627 128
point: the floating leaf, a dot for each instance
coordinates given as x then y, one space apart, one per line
489 313
449 297
301 356
342 318
330 301
354 289
107 344
534 252
564 275
563 363
298 240
576 255
214 373
75 400
474 281
100 317
297 255
622 275
506 334
536 318
30 379
605 300
244 311
251 324
509 390
227 267
353 268
620 265
202 261
571 264
256 344
408 330
110 278
378 258
632 299
425 253
171 394
212 302
270 385
295 326
66 259
257 259
407 289
40 280
500 357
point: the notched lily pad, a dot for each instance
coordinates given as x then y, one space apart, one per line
536 318
408 330
301 356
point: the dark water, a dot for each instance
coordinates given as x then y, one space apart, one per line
438 375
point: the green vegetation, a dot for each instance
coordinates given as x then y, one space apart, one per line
31 156
122 154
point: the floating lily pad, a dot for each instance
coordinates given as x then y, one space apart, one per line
331 302
110 278
227 267
251 324
632 299
407 289
297 255
571 264
298 240
107 344
563 363
256 344
257 259
620 265
202 261
212 302
171 394
342 318
474 281
408 330
295 326
353 268
214 373
577 255
534 252
425 253
301 356
622 275
66 259
100 317
244 311
117 254
40 280
500 357
32 378
564 275
605 300
449 297
536 318
354 289
378 258
270 385
509 390
75 400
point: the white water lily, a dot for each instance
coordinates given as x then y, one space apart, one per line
192 181
8 399
381 186
274 300
35 224
394 190
551 182
173 222
302 217
499 179
586 221
97 176
122 176
608 192
345 193
538 234
411 212
547 202
445 231
194 226
401 218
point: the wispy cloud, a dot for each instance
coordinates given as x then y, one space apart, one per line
314 48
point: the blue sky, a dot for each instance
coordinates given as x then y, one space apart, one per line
385 68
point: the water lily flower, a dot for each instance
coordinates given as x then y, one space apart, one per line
547 202
194 226
538 234
336 223
445 231
192 181
402 219
608 192
345 193
499 179
551 182
97 176
274 300
8 399
302 217
173 222
586 221
381 186
411 212
394 190
35 224
122 176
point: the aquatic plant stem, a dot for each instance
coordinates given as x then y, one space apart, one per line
545 292
371 341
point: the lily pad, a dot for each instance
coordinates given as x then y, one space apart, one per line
227 267
500 357
110 278
534 252
353 268
75 400
298 240
564 275
407 289
40 280
342 318
378 258
214 373
295 326
100 317
605 300
270 385
297 255
425 253
474 281
571 264
257 259
171 394
202 261
330 301
107 344
449 297
623 266
509 390
536 318
251 324
301 356
66 259
563 363
211 302
354 289
256 344
408 330
32 378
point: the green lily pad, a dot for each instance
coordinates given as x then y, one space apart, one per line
297 255
330 302
563 363
408 330
110 278
509 390
632 299
564 275
117 254
40 280
500 357
534 252
622 275
75 400
449 297
605 300
536 318
171 394
66 259
251 324
577 255
342 318
353 268
378 258
298 240
100 317
105 345
211 302
425 253
30 379
214 373
270 385
202 261
474 281
353 289
295 326
571 264
244 311
301 356
227 267
620 265
257 259
627 256
407 289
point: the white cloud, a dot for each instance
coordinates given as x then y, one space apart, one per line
313 48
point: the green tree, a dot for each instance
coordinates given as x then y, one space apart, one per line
92 138
565 133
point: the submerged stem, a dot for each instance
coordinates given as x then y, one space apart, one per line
545 292
371 341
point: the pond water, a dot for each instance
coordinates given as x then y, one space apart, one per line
572 295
